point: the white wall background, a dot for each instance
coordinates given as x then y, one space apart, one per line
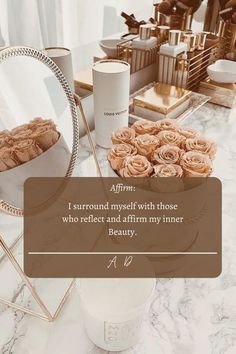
70 23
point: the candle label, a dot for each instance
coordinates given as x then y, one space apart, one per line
116 113
117 332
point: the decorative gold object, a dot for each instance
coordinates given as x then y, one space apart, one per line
221 94
189 71
162 98
137 58
212 15
229 34
7 249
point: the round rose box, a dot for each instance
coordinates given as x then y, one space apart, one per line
154 150
53 162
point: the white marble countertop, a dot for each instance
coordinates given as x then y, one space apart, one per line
187 316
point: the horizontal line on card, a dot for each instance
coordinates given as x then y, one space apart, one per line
119 253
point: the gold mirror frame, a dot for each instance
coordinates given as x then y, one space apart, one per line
9 52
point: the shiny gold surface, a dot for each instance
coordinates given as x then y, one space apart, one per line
162 98
216 85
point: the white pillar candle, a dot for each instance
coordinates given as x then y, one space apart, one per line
114 310
63 59
111 87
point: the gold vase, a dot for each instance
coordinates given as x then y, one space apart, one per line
230 36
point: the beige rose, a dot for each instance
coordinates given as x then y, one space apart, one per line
26 150
20 129
118 154
136 166
188 133
167 154
4 134
167 124
196 164
7 159
21 135
145 127
45 137
168 171
124 135
167 185
146 144
169 137
3 142
202 145
40 122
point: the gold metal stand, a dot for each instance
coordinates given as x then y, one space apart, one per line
86 125
46 315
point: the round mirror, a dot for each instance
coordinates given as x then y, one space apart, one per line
38 123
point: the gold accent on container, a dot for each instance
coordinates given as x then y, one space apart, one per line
195 65
231 56
159 17
191 41
230 36
163 33
201 40
221 28
215 85
175 20
162 98
221 94
188 21
174 37
144 32
137 58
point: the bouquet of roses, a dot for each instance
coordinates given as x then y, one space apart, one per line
26 142
160 149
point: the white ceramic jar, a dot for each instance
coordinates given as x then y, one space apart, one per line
114 310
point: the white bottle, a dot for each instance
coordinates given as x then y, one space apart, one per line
168 53
143 42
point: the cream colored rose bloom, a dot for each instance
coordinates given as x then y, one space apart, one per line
4 134
167 124
196 164
202 145
167 185
146 144
145 127
7 159
3 142
26 150
169 137
188 133
136 166
167 154
168 171
21 135
20 129
45 137
124 135
37 123
118 154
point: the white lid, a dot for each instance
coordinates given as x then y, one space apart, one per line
111 66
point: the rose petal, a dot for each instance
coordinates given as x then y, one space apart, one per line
118 154
124 135
146 144
145 127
